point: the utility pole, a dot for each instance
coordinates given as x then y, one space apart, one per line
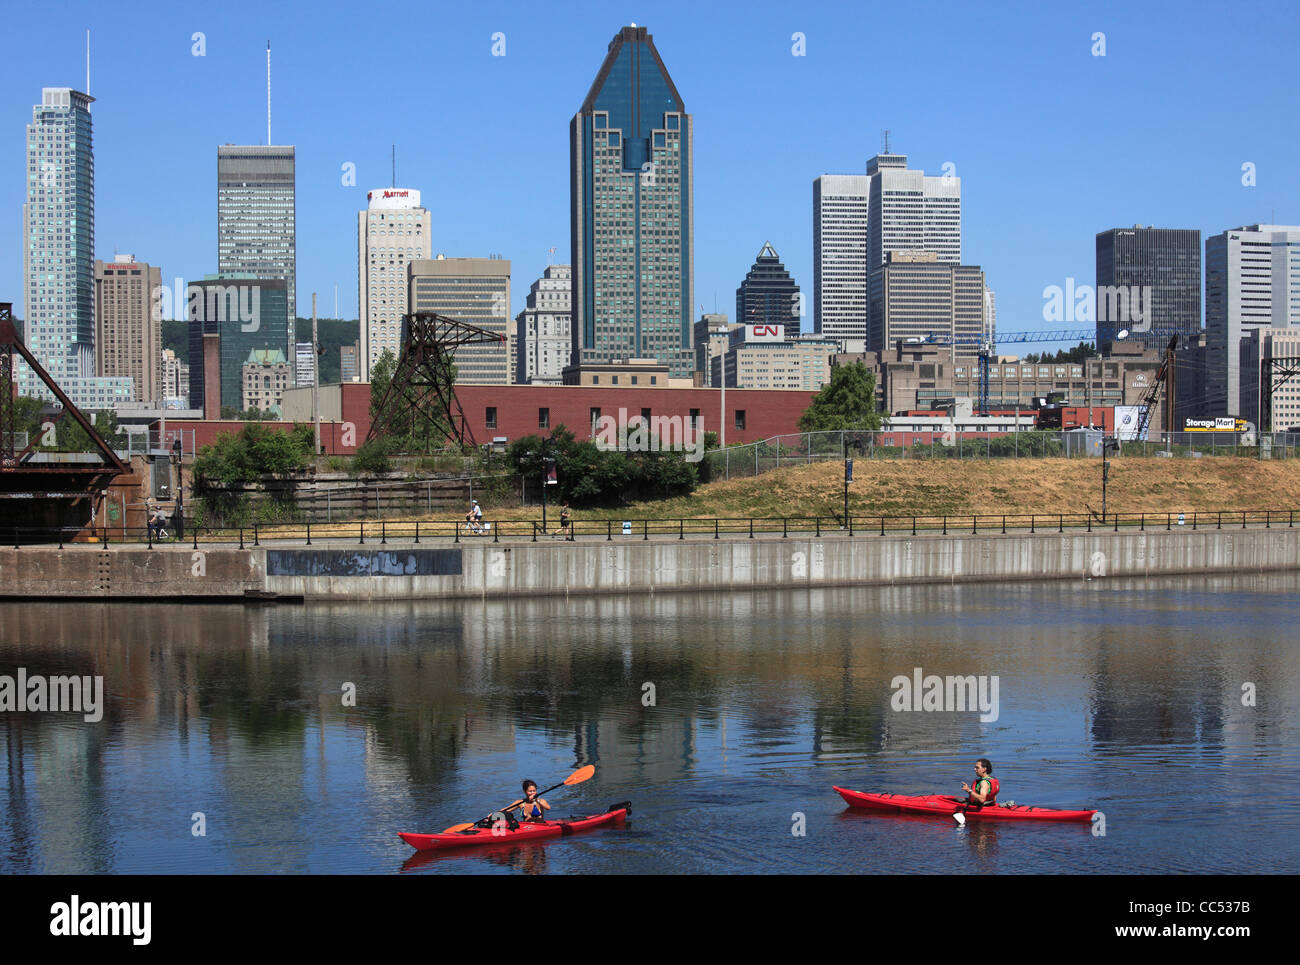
315 380
1106 446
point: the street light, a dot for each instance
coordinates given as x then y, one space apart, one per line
848 474
1106 446
177 456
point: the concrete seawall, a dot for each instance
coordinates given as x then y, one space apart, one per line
474 570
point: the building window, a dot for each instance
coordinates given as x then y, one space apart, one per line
595 380
543 418
740 418
491 417
653 379
645 414
695 418
634 380
615 379
595 416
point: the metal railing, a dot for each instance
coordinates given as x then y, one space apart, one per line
420 532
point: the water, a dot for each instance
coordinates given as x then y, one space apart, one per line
1123 696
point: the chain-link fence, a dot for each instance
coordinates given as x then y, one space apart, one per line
809 447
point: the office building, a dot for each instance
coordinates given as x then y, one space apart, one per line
768 295
58 254
304 364
543 341
1252 280
712 337
1149 283
913 295
911 211
632 216
757 361
1258 345
840 205
392 232
859 219
128 336
473 290
265 376
349 367
256 216
175 381
229 318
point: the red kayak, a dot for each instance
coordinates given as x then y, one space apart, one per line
527 831
946 805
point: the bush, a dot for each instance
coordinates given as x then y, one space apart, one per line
373 457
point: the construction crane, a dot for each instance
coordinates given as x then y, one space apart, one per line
1153 394
986 348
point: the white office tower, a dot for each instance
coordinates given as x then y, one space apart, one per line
543 332
840 255
910 211
859 219
1252 281
392 232
990 318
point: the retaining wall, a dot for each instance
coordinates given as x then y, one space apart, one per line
485 569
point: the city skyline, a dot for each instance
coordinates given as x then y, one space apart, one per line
1063 198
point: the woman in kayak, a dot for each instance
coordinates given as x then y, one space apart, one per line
532 806
983 794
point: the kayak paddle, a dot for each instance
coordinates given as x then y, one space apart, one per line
577 777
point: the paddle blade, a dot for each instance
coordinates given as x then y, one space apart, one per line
580 775
458 827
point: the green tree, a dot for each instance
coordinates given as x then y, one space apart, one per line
408 428
256 450
847 401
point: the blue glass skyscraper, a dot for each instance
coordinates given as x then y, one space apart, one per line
632 215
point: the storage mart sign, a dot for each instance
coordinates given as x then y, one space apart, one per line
1218 424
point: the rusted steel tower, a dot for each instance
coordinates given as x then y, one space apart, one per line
422 382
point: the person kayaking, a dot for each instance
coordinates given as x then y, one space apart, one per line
983 794
532 807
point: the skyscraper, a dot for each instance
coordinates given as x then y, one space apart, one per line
1166 262
910 211
256 216
58 252
632 213
544 329
768 295
1252 280
128 336
859 219
392 232
840 256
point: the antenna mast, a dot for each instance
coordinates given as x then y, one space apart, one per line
268 93
87 63
394 165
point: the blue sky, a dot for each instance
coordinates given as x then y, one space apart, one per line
1052 143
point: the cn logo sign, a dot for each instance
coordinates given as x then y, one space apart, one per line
764 333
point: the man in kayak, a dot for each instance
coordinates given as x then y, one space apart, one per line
983 794
532 807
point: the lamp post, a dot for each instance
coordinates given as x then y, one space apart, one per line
848 474
1106 446
177 456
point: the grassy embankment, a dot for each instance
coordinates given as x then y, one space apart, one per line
949 487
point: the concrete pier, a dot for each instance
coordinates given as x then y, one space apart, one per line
345 571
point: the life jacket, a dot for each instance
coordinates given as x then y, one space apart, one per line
993 790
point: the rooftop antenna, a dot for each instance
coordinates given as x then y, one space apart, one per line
886 140
268 93
87 63
394 165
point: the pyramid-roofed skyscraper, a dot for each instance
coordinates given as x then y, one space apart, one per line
632 215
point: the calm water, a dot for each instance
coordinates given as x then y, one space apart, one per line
1124 696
